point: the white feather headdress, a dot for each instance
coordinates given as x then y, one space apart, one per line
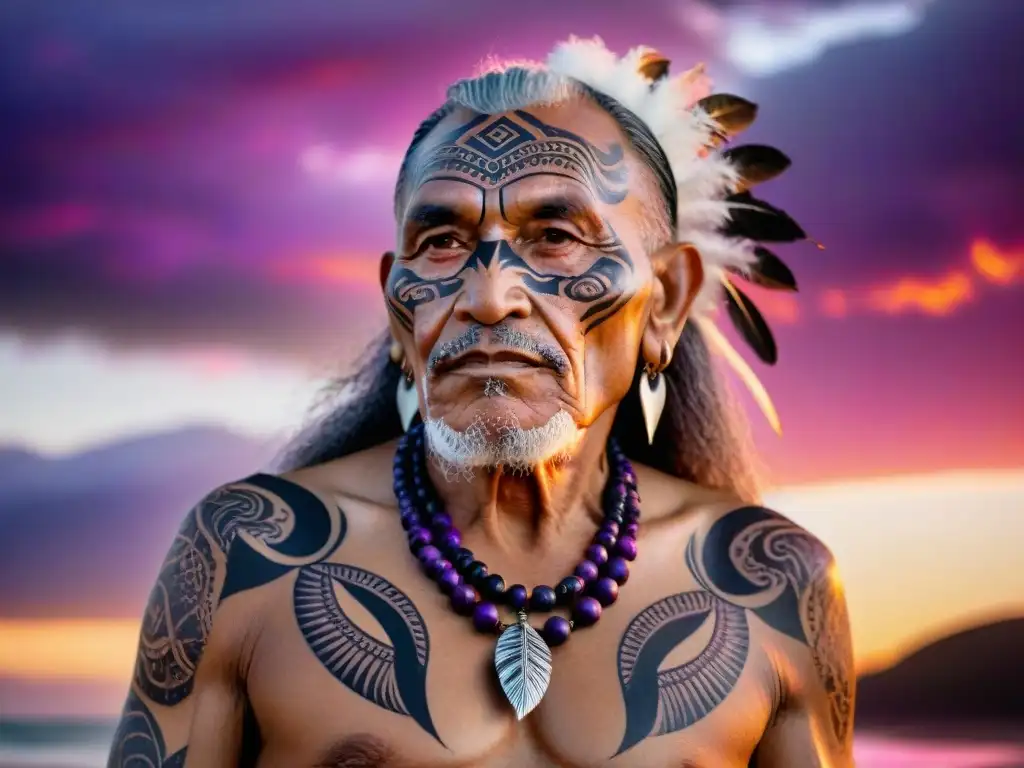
716 212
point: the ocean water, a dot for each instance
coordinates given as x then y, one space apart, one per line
84 745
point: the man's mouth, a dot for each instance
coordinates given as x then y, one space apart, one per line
483 363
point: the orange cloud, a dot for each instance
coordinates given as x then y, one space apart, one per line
781 308
346 270
85 649
938 297
994 265
834 303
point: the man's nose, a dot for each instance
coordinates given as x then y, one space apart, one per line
491 294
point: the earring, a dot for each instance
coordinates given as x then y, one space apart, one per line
652 393
407 400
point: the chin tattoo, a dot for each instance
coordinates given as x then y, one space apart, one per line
490 153
752 561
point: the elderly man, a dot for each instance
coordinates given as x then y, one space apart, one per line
562 561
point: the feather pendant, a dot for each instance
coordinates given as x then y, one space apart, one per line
732 113
768 271
523 662
653 65
756 164
757 220
750 323
717 341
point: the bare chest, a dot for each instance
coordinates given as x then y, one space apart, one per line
355 667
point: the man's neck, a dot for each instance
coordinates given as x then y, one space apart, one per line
519 511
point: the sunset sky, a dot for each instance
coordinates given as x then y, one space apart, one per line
193 199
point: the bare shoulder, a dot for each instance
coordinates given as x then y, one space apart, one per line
787 580
364 477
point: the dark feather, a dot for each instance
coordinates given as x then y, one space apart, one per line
756 163
750 323
755 219
732 113
769 271
653 66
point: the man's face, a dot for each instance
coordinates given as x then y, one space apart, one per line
522 284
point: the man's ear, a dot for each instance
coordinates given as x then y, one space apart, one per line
678 277
386 261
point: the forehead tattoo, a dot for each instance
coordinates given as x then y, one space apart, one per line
491 153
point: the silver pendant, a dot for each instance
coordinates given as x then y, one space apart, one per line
523 662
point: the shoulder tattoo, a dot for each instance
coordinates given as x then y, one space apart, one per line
751 560
263 527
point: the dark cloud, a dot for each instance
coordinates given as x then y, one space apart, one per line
152 184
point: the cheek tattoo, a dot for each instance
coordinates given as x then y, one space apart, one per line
491 153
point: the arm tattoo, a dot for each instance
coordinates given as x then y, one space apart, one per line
753 560
394 677
138 742
492 153
262 538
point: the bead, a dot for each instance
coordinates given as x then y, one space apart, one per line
462 558
605 539
428 554
632 530
628 477
556 631
431 508
611 527
516 597
441 522
493 587
542 599
633 498
450 541
485 617
419 537
617 568
568 588
596 554
586 570
436 567
410 520
449 580
631 515
421 494
619 492
463 599
586 612
626 548
614 516
605 590
476 572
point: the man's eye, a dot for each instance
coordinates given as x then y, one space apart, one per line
440 241
552 236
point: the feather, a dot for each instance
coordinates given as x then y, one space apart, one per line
717 341
523 662
755 219
653 65
732 113
750 323
768 271
756 164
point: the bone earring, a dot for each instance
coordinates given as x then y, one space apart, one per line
407 400
652 393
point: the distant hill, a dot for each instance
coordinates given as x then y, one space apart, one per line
977 674
83 535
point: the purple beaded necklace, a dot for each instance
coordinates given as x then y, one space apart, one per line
522 655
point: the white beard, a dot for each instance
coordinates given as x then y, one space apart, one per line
502 444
